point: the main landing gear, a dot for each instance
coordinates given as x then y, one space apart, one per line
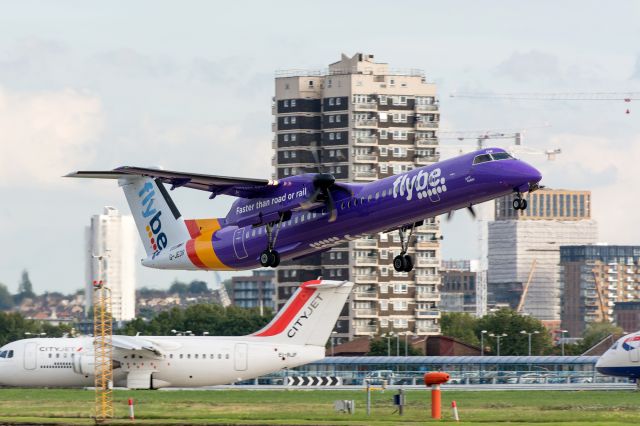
519 203
270 257
403 262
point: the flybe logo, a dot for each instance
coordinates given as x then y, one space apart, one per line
306 314
423 184
157 238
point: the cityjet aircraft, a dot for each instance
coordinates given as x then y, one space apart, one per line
296 336
622 359
309 213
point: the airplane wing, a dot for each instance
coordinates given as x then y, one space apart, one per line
237 187
135 343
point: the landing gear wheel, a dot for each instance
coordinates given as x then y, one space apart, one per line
523 204
517 203
408 263
266 258
276 259
399 263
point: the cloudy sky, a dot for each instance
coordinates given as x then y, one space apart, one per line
187 85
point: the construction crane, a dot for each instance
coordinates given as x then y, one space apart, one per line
626 97
525 290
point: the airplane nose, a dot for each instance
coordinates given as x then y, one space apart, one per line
522 176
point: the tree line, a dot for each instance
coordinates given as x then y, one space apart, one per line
468 329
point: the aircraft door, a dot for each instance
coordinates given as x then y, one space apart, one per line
30 353
634 355
238 244
240 357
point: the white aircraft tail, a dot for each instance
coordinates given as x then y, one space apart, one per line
309 315
157 217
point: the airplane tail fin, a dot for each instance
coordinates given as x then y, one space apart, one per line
157 218
159 221
309 315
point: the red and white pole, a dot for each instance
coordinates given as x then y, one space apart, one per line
131 416
454 407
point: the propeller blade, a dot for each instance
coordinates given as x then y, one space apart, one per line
316 158
331 207
449 215
472 211
307 204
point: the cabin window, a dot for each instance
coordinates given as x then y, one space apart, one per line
204 356
219 356
211 356
226 356
181 356
196 356
170 356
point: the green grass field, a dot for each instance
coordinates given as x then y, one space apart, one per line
298 407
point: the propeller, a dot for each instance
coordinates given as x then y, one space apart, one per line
323 184
470 209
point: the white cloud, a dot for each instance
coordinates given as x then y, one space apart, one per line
43 134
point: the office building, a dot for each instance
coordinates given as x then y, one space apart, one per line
458 290
254 291
115 237
599 283
524 249
363 121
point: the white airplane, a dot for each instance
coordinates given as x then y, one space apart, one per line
297 335
622 358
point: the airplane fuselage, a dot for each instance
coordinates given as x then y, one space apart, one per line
187 361
378 206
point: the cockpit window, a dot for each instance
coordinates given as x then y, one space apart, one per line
10 354
614 347
3 354
501 156
482 159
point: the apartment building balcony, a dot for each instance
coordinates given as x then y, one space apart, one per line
369 122
428 330
427 245
366 279
431 107
365 175
432 296
427 314
427 228
427 142
365 329
365 158
427 124
365 313
274 127
273 160
428 279
427 261
365 106
366 141
427 159
365 295
366 243
366 261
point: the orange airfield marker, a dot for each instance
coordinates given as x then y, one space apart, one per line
434 380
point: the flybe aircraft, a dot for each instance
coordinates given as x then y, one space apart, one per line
622 359
297 335
309 213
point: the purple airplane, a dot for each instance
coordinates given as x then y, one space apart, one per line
300 215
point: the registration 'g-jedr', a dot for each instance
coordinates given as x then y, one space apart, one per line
300 215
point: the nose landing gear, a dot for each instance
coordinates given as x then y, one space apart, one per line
403 262
519 203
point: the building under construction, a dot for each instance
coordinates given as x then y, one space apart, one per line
595 278
524 249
